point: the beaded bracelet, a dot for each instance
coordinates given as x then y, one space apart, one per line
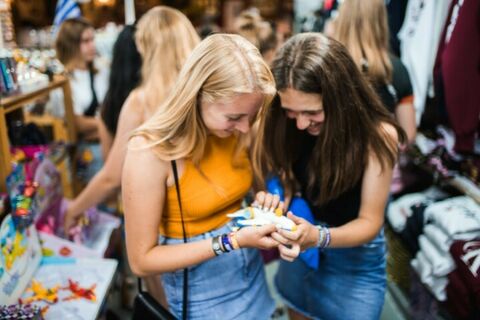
233 240
328 238
323 237
226 243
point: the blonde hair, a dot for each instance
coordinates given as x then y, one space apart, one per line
362 26
219 68
165 38
250 25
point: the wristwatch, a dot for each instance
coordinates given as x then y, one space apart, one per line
321 236
217 248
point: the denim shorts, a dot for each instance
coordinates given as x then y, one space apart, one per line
89 160
229 286
349 284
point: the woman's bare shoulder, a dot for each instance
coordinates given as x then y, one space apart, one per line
143 158
389 131
134 100
138 142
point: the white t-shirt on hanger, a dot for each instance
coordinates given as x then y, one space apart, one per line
419 38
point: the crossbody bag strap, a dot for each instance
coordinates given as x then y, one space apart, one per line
92 109
185 271
179 198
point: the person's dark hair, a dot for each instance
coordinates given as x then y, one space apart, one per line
313 63
261 33
124 76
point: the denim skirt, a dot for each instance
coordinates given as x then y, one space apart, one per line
229 286
349 283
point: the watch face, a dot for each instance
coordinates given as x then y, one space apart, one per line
216 246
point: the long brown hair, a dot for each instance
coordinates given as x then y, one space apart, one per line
353 126
362 26
67 43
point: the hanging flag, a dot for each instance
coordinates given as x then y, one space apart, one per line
65 9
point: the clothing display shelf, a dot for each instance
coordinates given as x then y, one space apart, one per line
400 297
63 129
402 302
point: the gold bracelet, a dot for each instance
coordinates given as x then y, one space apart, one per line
233 240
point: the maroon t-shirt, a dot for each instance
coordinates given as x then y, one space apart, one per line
463 289
458 66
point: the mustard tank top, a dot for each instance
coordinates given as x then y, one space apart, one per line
208 194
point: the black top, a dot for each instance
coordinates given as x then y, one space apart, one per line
336 212
401 87
396 15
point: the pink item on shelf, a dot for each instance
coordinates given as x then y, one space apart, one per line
29 151
93 240
51 219
82 231
93 231
49 186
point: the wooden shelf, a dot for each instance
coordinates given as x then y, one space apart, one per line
16 102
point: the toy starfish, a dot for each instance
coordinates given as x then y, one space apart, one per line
13 251
78 292
40 293
253 216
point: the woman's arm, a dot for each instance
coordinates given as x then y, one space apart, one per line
375 191
405 115
143 192
108 179
87 126
144 185
106 139
374 196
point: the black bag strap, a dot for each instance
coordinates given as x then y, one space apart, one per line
140 288
177 186
185 271
90 112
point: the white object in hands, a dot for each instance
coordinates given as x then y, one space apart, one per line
253 216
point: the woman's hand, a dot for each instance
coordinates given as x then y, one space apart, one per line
256 237
268 201
289 252
70 220
306 235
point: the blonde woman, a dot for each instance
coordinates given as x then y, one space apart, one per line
362 27
203 126
164 38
